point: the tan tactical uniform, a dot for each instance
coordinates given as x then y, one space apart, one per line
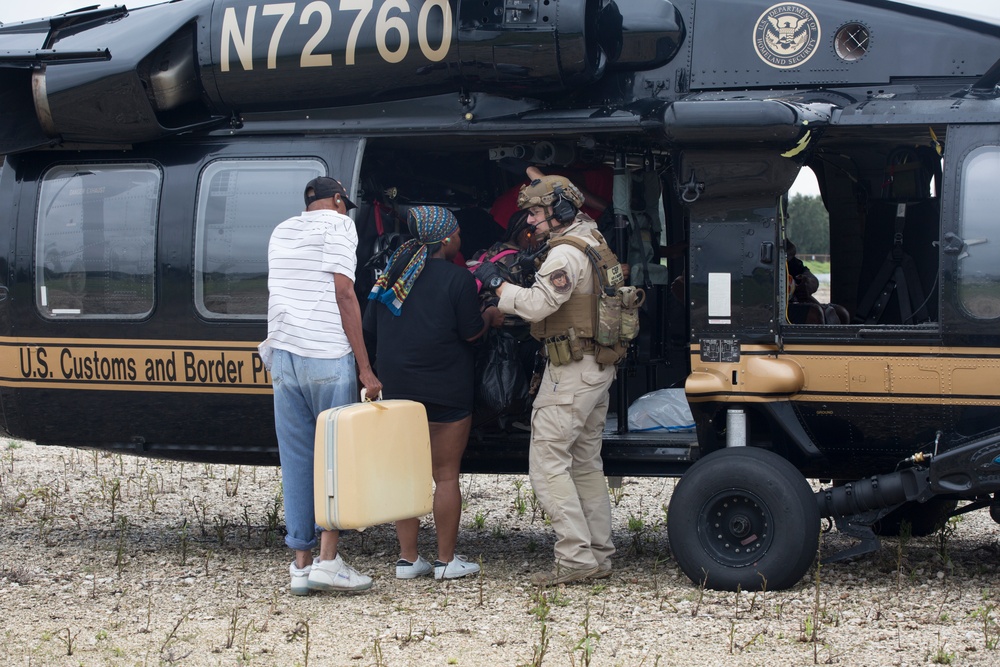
568 415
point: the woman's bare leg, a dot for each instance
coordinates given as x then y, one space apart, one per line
448 441
406 533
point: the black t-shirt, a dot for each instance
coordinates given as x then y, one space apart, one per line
422 354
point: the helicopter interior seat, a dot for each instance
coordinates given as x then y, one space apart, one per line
810 310
898 279
810 313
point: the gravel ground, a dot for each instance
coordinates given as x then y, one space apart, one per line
116 560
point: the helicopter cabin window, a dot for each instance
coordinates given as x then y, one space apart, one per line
978 265
898 280
239 203
867 232
806 249
95 250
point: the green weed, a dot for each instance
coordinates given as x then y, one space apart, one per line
991 630
588 642
478 521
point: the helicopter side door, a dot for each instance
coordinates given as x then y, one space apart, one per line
970 260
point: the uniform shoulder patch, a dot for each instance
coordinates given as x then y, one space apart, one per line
560 281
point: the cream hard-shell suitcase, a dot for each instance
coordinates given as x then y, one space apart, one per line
373 464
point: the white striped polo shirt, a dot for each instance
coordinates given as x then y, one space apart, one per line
303 316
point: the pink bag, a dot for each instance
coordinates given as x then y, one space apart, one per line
494 258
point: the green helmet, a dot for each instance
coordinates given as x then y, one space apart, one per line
542 192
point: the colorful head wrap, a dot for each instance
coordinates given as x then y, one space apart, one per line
429 225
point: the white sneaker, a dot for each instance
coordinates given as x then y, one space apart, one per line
300 579
458 567
418 568
336 575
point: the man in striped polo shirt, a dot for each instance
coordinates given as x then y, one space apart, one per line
314 339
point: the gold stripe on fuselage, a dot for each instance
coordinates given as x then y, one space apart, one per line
133 365
861 374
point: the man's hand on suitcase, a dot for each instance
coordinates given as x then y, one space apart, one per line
370 383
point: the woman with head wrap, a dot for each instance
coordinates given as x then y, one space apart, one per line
424 316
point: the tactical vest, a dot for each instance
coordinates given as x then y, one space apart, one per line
609 318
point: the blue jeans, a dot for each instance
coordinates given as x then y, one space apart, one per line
303 388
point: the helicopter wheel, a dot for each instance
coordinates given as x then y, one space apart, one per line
744 518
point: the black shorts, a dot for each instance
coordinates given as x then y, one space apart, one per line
443 414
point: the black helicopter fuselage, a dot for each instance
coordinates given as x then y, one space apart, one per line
142 148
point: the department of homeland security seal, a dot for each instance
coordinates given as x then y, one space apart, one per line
786 35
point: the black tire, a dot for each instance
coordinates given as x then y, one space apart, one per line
768 534
995 513
924 518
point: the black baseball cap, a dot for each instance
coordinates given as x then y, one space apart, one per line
325 187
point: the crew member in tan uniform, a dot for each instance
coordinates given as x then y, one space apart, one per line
569 412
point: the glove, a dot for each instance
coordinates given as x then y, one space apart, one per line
488 273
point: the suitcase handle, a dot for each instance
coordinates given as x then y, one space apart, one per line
365 399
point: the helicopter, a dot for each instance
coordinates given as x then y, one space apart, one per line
148 154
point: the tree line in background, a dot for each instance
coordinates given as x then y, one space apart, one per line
808 225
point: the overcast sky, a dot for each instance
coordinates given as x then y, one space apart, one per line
20 10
